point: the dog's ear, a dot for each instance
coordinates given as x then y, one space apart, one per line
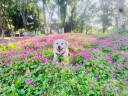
67 44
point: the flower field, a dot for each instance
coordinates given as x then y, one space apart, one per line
96 67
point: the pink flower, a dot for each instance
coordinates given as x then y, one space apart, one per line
94 87
27 81
111 84
109 89
92 57
48 72
57 80
76 69
105 92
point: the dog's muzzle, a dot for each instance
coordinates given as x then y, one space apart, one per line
59 48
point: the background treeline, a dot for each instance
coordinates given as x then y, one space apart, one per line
84 16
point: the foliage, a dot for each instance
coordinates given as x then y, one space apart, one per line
78 15
99 69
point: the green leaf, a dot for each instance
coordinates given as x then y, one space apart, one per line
63 93
18 84
22 92
12 94
37 93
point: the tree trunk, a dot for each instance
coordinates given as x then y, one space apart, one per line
62 30
46 32
48 29
44 4
126 22
58 19
71 22
2 36
64 19
104 29
50 23
81 29
25 26
82 23
2 19
8 17
120 13
19 33
0 14
35 32
23 13
86 29
38 18
72 17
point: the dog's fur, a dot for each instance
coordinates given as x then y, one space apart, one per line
60 46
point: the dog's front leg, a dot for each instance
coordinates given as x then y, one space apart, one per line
55 57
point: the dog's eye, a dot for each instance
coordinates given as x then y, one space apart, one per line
62 43
56 43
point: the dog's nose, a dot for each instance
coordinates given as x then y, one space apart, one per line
59 47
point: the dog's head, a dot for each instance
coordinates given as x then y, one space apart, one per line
60 44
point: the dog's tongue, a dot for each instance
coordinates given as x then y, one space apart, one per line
59 49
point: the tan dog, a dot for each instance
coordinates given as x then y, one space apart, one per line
60 46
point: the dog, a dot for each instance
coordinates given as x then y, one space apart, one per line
60 46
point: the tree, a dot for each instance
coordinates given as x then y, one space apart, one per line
37 15
86 10
2 17
15 18
73 8
33 20
51 5
126 21
58 13
120 13
105 14
44 13
63 14
24 11
63 9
